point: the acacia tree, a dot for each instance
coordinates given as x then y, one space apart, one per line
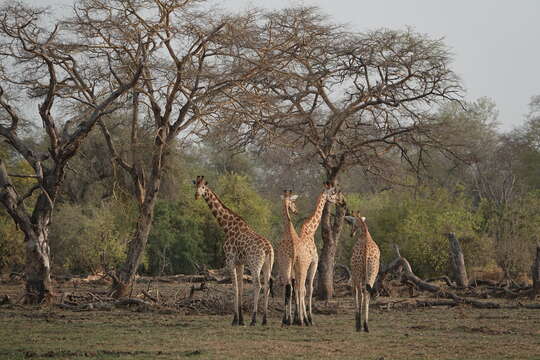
49 65
189 74
349 99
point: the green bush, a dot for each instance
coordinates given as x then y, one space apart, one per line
515 228
11 245
89 239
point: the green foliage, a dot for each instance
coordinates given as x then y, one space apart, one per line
89 238
238 194
515 228
11 245
176 242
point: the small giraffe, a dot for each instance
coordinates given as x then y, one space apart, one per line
285 253
307 258
364 266
242 246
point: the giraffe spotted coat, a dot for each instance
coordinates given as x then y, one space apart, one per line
242 247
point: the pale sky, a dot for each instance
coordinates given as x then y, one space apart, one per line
495 43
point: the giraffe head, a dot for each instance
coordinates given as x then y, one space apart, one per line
289 201
356 221
331 193
201 186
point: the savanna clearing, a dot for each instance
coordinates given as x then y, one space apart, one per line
397 332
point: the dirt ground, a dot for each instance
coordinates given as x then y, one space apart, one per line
198 327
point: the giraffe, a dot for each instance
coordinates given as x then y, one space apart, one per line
242 246
285 253
306 256
364 266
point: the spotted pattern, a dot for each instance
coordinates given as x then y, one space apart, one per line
364 268
242 247
307 258
285 254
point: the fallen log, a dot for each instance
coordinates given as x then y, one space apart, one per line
480 282
446 279
436 302
148 296
402 265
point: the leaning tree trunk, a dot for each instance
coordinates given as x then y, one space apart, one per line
536 273
35 228
126 275
458 262
330 233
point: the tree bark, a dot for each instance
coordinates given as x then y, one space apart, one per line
459 272
137 244
35 229
536 273
37 268
147 192
330 233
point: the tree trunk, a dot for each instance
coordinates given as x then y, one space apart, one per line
536 273
38 268
330 233
458 262
147 192
126 275
36 230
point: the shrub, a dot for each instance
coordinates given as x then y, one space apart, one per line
89 239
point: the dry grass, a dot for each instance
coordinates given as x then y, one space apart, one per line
453 333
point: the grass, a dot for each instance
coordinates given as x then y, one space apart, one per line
456 333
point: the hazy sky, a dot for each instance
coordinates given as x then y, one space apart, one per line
496 43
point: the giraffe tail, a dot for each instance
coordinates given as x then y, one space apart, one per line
271 285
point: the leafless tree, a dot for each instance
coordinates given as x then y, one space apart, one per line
191 71
350 99
50 66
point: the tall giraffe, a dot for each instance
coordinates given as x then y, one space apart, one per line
364 266
242 246
307 258
285 253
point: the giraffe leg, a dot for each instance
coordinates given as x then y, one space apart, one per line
289 295
298 314
240 286
358 307
303 313
285 281
267 274
296 319
311 278
291 302
366 310
232 270
302 301
256 292
287 308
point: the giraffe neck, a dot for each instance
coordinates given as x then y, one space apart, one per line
311 224
225 216
364 238
288 225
